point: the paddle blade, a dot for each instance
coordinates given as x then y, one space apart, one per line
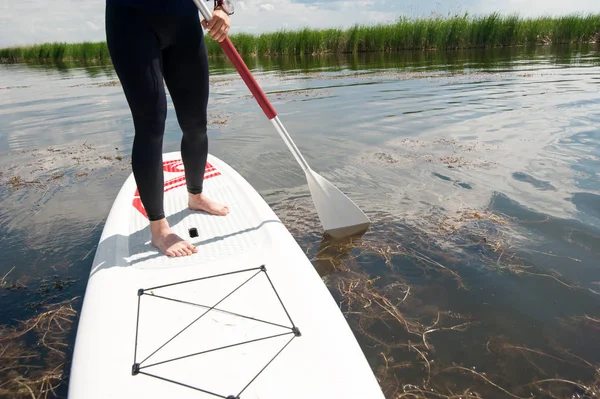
339 216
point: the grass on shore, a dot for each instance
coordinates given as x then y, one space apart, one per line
58 52
456 32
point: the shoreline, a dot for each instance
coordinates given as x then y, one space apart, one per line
451 33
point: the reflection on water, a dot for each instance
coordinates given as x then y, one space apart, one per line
480 170
498 59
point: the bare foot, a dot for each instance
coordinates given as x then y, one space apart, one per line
199 202
168 242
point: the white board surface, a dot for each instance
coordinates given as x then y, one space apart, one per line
247 316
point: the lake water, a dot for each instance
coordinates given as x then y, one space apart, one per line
480 170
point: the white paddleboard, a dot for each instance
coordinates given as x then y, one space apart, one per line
246 317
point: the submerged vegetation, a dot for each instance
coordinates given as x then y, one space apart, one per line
442 33
36 371
402 292
422 295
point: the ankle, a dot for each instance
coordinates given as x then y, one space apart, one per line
158 226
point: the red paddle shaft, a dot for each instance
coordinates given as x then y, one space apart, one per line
239 64
244 72
338 214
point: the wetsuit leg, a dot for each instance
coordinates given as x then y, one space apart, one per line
136 55
186 75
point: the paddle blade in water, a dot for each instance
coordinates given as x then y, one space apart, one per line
339 216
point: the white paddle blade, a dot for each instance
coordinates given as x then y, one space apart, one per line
339 216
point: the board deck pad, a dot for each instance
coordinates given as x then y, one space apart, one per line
219 237
246 317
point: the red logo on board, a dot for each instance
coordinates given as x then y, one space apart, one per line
174 166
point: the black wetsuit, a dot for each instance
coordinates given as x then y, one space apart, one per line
148 41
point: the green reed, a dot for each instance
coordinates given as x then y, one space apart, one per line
442 33
456 32
58 52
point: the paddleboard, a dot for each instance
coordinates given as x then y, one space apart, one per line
246 317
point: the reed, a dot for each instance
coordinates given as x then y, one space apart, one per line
58 52
441 33
454 32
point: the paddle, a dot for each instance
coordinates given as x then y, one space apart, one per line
339 216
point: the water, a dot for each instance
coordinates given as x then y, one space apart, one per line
480 171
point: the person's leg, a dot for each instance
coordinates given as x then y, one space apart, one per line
135 52
186 75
